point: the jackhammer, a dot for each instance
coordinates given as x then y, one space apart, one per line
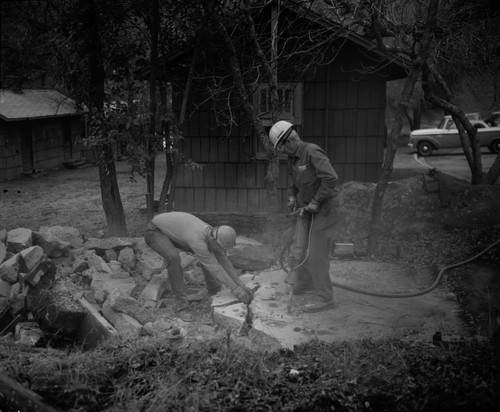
299 249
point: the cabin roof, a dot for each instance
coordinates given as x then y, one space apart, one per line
35 104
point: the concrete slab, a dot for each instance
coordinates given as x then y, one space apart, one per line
355 316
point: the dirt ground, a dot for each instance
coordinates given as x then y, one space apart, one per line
72 198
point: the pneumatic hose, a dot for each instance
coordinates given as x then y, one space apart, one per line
392 295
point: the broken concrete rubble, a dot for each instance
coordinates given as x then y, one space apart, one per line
127 326
64 234
52 246
3 251
156 287
28 272
105 288
19 239
118 306
127 258
103 284
102 245
130 306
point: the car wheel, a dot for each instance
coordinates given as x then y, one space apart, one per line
425 149
495 146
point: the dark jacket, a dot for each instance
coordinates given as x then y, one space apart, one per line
314 179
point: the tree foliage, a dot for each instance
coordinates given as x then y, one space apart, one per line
100 62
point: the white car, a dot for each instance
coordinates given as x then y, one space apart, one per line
446 136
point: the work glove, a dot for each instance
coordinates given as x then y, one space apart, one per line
312 207
292 203
243 294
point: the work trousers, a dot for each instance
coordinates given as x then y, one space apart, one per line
164 246
315 272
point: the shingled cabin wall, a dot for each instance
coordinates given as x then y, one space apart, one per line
343 111
37 144
40 129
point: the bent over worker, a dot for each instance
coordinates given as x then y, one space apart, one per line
313 190
167 233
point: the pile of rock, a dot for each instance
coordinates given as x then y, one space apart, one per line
56 282
409 206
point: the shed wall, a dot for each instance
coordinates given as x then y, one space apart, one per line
37 144
10 151
343 111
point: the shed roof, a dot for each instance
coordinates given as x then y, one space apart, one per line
323 13
35 104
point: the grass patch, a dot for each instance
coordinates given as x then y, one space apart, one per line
219 375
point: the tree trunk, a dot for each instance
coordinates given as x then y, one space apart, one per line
387 165
494 172
163 206
272 172
417 116
270 67
172 169
273 164
110 194
467 132
172 151
150 149
166 200
166 107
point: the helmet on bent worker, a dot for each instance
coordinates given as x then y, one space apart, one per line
225 236
280 132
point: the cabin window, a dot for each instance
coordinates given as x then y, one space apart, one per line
289 107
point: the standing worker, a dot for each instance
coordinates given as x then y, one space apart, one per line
169 232
313 191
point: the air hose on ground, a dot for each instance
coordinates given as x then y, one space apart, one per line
386 295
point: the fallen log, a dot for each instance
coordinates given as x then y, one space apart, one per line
15 397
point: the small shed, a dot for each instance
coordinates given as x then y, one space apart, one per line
340 106
39 129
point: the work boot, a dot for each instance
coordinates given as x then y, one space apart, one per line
196 297
181 310
319 304
302 289
214 290
185 316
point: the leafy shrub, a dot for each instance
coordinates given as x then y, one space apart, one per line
219 375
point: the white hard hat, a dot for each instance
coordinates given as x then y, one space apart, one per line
280 130
225 236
